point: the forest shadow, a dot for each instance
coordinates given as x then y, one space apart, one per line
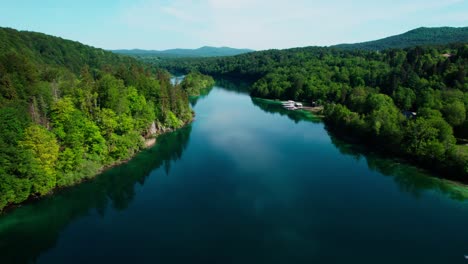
30 230
409 178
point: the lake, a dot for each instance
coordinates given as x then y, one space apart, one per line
246 182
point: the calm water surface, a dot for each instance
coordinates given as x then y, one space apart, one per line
246 183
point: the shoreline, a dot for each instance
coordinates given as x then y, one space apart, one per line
437 173
315 110
433 171
148 143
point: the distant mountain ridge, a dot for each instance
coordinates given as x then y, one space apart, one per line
417 37
205 51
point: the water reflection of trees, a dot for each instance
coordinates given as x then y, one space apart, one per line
274 107
203 93
409 178
233 85
32 229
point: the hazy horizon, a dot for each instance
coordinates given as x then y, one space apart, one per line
243 24
177 48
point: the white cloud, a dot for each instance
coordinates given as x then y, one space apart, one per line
262 24
179 14
229 4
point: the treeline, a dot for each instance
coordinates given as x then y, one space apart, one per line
410 102
112 189
49 51
60 125
417 37
196 83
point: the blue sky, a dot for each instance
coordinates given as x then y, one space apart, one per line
256 24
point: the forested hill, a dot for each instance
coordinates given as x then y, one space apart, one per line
67 110
417 37
408 102
205 51
43 49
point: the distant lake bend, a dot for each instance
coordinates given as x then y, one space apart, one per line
247 182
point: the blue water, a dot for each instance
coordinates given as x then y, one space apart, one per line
246 182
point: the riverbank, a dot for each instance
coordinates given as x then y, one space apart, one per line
275 105
316 110
147 143
450 172
252 171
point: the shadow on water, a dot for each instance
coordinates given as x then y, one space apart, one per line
203 93
232 85
30 230
275 107
409 179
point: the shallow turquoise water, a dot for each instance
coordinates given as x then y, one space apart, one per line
246 183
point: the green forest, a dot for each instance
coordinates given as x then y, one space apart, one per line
410 102
68 110
417 37
195 83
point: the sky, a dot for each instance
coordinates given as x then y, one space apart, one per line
255 24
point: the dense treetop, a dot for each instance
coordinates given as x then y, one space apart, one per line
67 110
196 83
416 37
411 102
